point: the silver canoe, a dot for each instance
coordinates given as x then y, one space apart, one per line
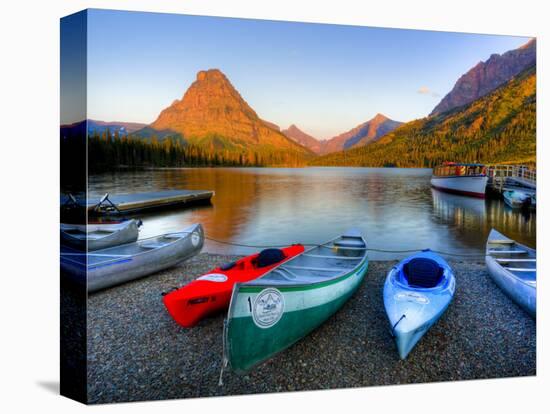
99 236
513 267
109 267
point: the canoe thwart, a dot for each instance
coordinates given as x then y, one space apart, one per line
507 251
501 260
320 269
322 256
520 269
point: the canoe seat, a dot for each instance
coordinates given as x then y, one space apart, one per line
423 272
350 242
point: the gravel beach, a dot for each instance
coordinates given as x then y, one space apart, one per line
137 352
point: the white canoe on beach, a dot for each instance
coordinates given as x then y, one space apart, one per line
100 235
109 267
513 267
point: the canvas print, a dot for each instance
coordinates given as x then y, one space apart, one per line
252 206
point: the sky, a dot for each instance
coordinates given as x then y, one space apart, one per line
324 78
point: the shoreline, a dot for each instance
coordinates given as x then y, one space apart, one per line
137 352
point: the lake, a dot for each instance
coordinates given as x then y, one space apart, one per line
394 207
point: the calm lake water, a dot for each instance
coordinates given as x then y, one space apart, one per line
395 208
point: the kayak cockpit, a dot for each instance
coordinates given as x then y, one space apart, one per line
422 272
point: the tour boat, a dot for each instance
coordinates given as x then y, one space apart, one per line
466 179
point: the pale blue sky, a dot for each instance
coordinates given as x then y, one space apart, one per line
324 78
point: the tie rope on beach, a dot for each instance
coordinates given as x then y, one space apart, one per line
259 246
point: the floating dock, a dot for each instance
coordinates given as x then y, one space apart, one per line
512 177
139 202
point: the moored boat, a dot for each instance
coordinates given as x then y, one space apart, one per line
464 179
517 199
513 267
270 313
109 267
95 236
417 292
211 292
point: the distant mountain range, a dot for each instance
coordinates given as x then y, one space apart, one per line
363 134
498 127
100 127
488 116
486 76
299 136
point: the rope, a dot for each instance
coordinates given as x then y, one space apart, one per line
395 325
259 246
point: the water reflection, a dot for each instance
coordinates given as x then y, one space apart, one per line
470 220
395 208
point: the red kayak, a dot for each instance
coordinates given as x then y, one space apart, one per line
211 293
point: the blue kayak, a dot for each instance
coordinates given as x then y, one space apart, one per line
416 293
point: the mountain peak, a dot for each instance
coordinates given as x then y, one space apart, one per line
486 76
379 118
299 136
210 74
363 134
212 114
530 44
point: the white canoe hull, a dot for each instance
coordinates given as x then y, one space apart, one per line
466 185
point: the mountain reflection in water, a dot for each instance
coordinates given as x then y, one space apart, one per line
395 208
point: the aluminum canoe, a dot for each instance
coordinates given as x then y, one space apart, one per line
99 236
105 268
513 267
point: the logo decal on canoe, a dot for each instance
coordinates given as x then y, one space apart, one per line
214 277
195 239
268 308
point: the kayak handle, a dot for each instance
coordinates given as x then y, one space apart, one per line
395 325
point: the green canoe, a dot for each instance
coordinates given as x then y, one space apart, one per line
269 314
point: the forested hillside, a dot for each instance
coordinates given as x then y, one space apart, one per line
499 127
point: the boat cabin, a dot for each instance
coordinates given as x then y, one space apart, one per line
451 169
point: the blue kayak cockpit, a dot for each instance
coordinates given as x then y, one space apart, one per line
422 272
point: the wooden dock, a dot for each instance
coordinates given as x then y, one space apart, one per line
140 202
511 177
